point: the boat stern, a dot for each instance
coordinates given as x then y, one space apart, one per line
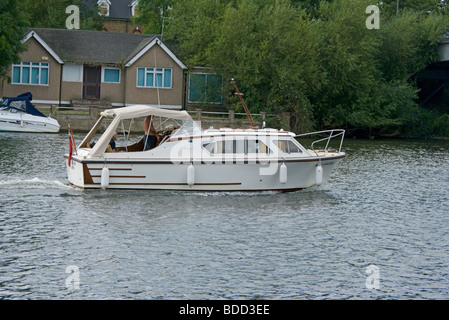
75 172
52 125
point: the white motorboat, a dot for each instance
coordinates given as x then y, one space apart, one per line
187 157
18 114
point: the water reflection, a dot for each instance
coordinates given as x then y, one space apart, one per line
385 205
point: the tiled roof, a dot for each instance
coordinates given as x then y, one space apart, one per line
85 46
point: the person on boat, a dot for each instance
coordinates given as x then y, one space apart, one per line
150 139
90 144
112 146
112 142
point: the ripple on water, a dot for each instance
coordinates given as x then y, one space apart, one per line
384 206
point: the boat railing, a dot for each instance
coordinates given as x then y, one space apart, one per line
330 134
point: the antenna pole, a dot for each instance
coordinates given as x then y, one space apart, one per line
248 114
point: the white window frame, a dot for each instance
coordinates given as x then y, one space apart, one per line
69 69
133 5
154 72
30 65
288 142
108 6
237 145
111 68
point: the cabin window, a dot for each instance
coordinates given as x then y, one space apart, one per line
225 146
237 146
111 75
287 146
210 147
205 88
34 73
154 77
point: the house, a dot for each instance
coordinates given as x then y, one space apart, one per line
204 86
117 14
63 65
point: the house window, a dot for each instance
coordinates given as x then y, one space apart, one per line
72 73
205 88
154 78
111 75
103 7
34 73
135 8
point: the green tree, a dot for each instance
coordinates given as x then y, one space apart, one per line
152 15
194 25
276 69
348 53
12 31
52 14
406 50
45 13
316 60
370 71
89 17
393 7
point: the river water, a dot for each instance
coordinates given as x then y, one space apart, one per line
377 230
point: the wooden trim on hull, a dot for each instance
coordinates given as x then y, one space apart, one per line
124 177
190 190
112 169
168 184
86 174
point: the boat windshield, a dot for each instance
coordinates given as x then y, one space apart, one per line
14 105
21 103
189 128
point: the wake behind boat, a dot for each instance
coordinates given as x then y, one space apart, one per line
18 114
187 157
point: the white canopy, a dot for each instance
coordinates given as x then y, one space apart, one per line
136 111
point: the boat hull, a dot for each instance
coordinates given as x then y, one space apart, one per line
233 176
21 122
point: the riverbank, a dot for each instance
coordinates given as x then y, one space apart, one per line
82 120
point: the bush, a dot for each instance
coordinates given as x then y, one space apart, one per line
442 126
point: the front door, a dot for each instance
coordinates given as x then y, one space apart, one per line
91 82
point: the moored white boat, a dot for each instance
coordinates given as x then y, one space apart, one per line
195 159
18 114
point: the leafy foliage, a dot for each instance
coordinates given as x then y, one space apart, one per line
12 29
17 16
152 14
52 14
316 59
